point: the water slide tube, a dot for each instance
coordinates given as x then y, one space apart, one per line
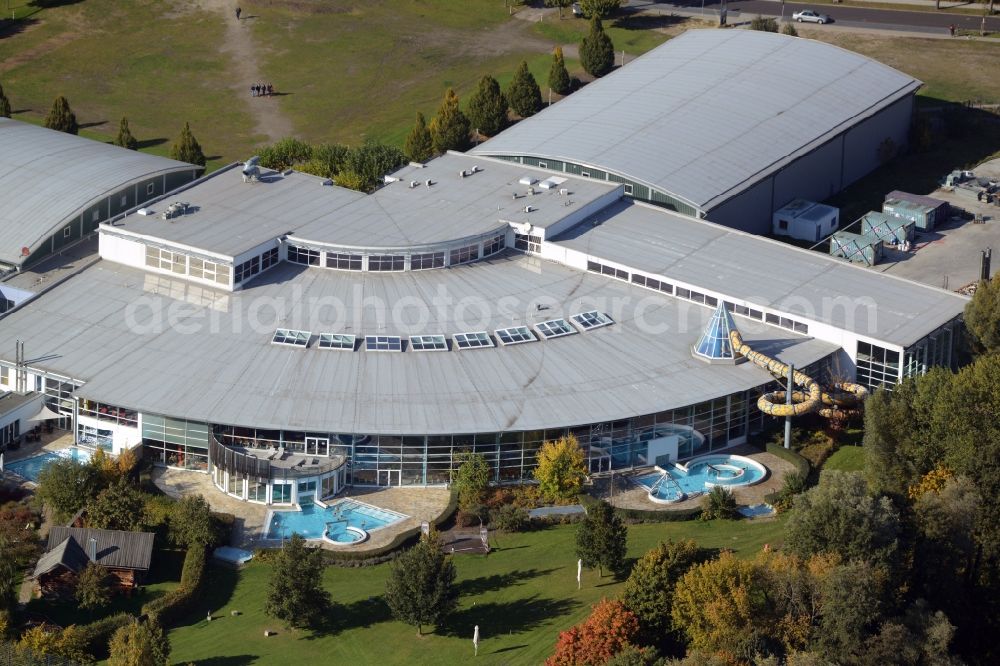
843 402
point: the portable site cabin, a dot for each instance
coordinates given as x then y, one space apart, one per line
857 248
925 212
890 229
805 220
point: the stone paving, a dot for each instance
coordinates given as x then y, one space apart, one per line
418 504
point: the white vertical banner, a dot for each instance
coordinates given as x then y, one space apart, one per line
579 573
475 640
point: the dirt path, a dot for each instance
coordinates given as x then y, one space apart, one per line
238 44
40 49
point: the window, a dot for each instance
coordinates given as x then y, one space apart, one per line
67 232
209 270
494 245
124 201
543 165
799 327
464 254
652 283
386 262
268 259
514 335
247 269
593 266
585 174
473 340
628 189
783 225
95 216
592 319
288 336
150 188
301 255
419 262
554 328
614 272
683 293
336 341
390 343
772 318
166 260
528 243
343 262
428 343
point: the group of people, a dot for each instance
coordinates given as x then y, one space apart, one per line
261 89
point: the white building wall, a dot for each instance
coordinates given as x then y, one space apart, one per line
122 250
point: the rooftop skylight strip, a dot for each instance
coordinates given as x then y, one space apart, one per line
388 343
473 340
554 328
514 335
428 343
288 336
592 319
336 341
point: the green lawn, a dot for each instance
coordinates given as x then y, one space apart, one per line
521 596
633 34
846 459
164 577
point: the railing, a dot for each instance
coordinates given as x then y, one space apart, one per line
249 465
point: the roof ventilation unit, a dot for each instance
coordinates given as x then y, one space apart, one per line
251 170
528 180
563 192
428 182
462 173
528 209
475 168
413 184
531 190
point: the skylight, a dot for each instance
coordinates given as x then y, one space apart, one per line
428 343
591 319
514 335
473 340
554 328
391 343
287 336
336 341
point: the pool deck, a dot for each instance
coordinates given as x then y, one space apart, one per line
628 495
418 504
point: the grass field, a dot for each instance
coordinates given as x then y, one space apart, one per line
846 459
521 596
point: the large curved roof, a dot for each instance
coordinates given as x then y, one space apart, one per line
49 177
710 112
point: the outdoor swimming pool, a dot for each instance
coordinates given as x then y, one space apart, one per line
29 468
344 522
678 482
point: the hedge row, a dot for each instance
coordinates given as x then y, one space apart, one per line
98 634
648 516
802 467
176 602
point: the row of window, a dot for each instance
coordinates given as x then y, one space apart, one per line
254 265
182 264
396 262
528 243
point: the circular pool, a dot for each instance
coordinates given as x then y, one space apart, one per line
678 482
339 534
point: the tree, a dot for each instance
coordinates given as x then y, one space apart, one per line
523 94
4 105
139 644
421 585
471 480
789 29
125 138
121 506
851 609
295 592
601 539
18 538
10 575
487 107
561 468
419 146
284 154
371 161
92 589
599 8
634 656
649 590
982 316
61 118
450 127
719 502
64 486
764 24
70 643
561 4
191 522
597 53
187 149
559 80
609 629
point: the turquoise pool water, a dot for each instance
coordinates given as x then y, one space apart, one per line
312 520
699 475
29 468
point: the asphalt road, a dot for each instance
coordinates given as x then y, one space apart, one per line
858 17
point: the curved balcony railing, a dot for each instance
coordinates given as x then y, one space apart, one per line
269 463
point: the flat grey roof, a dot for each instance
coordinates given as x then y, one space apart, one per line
216 366
710 112
49 177
765 272
229 216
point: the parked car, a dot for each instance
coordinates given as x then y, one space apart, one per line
577 9
809 16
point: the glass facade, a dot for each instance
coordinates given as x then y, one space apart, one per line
175 442
877 366
937 349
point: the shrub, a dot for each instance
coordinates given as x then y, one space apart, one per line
795 483
718 503
764 24
510 518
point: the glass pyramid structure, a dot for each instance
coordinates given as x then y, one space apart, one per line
714 344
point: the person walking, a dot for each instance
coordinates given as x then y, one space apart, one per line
269 90
253 93
951 29
238 12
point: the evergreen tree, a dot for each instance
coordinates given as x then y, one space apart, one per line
649 589
187 149
561 4
487 107
597 53
523 94
61 118
295 592
125 138
601 538
419 147
4 105
191 522
559 80
450 127
421 585
599 8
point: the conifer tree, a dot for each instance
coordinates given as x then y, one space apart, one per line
61 118
187 149
421 585
450 127
4 105
597 53
559 80
601 538
419 147
487 107
125 138
523 94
